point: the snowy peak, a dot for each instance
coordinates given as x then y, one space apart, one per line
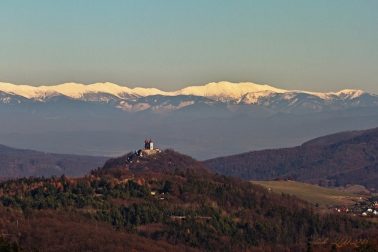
227 90
350 93
133 99
76 90
217 90
73 90
254 97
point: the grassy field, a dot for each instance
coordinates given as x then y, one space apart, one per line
312 193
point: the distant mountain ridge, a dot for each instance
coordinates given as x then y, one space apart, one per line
134 99
212 120
338 159
16 163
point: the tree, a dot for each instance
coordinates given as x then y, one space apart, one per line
167 188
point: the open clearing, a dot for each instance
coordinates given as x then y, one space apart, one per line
313 193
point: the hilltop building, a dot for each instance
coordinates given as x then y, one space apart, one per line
148 144
149 148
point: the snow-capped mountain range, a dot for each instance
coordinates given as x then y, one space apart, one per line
211 94
204 121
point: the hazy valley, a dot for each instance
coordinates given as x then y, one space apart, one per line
106 119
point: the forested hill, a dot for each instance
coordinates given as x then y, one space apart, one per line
17 163
338 159
164 202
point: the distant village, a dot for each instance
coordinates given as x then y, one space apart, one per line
366 208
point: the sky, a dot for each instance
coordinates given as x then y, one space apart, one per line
318 45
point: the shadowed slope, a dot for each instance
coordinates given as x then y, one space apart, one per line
339 159
26 163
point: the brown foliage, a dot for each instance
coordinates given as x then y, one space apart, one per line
25 163
57 231
340 159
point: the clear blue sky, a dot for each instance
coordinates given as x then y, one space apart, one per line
299 44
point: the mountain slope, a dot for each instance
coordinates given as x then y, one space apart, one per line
226 92
75 90
170 199
205 121
25 163
317 195
339 159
